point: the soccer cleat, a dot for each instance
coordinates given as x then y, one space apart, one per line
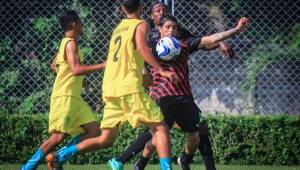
23 167
28 166
50 160
136 167
33 162
52 164
141 163
183 166
113 164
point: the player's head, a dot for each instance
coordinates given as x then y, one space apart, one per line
70 21
168 26
158 9
132 6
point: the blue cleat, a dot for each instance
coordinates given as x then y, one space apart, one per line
28 167
113 164
33 162
22 167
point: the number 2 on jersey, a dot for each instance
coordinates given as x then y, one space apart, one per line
118 41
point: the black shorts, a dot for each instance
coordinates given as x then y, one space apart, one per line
182 110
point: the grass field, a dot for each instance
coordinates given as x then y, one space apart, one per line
156 167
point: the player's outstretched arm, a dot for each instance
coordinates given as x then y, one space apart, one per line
74 61
217 37
225 49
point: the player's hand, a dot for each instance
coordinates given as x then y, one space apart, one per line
104 64
170 75
147 81
226 51
242 24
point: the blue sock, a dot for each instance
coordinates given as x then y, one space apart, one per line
66 153
33 162
165 163
74 141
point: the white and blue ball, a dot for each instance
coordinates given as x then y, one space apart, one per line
168 48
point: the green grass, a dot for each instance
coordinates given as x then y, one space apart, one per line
156 167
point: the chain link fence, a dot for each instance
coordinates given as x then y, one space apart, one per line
263 79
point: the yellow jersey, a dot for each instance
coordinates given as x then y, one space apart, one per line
124 65
66 84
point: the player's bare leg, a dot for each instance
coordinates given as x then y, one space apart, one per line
143 160
191 146
105 140
91 130
50 144
161 141
55 139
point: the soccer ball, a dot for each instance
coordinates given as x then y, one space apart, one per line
168 48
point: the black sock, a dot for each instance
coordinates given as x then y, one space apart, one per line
135 147
186 159
141 162
206 152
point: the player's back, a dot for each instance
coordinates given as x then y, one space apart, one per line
123 71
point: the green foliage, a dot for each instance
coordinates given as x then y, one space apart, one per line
236 140
296 36
5 49
256 140
8 76
42 25
14 136
272 51
26 79
265 54
236 5
30 103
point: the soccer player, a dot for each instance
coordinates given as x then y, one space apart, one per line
123 93
69 114
176 101
158 9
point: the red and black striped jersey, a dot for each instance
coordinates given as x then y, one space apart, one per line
161 86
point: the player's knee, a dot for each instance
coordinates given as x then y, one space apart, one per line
162 127
57 139
93 133
92 129
194 139
150 145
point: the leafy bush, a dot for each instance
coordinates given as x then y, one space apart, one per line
273 51
236 140
26 79
256 140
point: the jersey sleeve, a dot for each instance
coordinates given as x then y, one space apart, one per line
193 43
